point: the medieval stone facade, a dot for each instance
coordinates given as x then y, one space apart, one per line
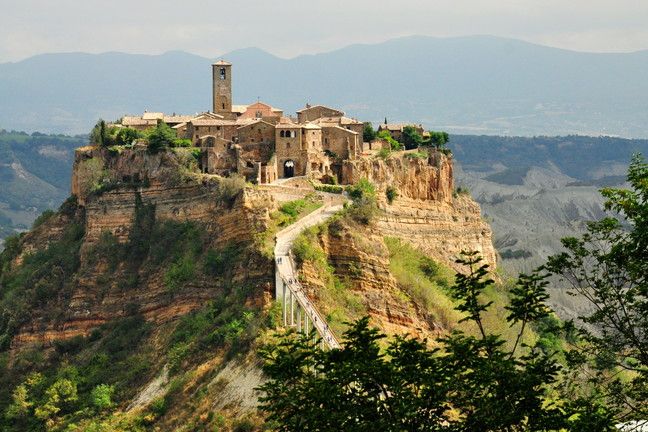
259 142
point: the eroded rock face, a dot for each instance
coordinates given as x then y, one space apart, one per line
361 259
427 212
98 294
429 179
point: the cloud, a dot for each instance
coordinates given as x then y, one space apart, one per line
292 27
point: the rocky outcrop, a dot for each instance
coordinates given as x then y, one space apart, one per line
426 179
427 211
361 260
101 294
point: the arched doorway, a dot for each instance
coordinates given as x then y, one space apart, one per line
289 169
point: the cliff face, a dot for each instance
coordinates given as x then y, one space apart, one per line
102 291
361 263
427 212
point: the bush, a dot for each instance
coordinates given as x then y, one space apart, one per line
417 155
336 189
180 272
391 193
363 189
384 153
181 142
101 396
386 136
220 262
230 187
126 136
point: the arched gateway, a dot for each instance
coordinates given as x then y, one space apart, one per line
289 169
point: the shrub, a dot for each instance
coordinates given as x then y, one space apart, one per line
337 189
391 193
101 396
417 155
384 153
230 187
180 272
181 142
386 136
363 189
220 262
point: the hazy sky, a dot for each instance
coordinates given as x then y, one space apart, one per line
292 27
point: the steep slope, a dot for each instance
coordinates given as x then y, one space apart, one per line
143 301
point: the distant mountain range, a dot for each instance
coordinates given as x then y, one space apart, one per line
475 85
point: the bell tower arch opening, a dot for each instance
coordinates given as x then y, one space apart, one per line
222 87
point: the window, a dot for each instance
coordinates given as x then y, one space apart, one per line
282 134
259 114
223 106
222 73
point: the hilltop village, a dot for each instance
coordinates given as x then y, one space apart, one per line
259 142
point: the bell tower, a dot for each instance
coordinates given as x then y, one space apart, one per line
222 81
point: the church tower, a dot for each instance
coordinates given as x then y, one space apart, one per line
222 80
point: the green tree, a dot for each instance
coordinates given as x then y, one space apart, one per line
59 396
468 383
126 136
608 266
161 137
98 134
411 138
368 132
438 139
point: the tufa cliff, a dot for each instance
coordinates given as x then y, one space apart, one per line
154 279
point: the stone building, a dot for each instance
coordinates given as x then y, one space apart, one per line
259 142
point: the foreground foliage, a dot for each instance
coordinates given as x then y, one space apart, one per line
608 266
469 383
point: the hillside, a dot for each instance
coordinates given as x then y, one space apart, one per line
142 303
35 173
473 84
534 191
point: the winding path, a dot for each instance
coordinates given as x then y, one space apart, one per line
297 309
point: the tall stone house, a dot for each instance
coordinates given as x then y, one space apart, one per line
259 141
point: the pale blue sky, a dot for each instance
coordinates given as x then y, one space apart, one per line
292 27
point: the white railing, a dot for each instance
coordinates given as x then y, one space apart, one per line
297 309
